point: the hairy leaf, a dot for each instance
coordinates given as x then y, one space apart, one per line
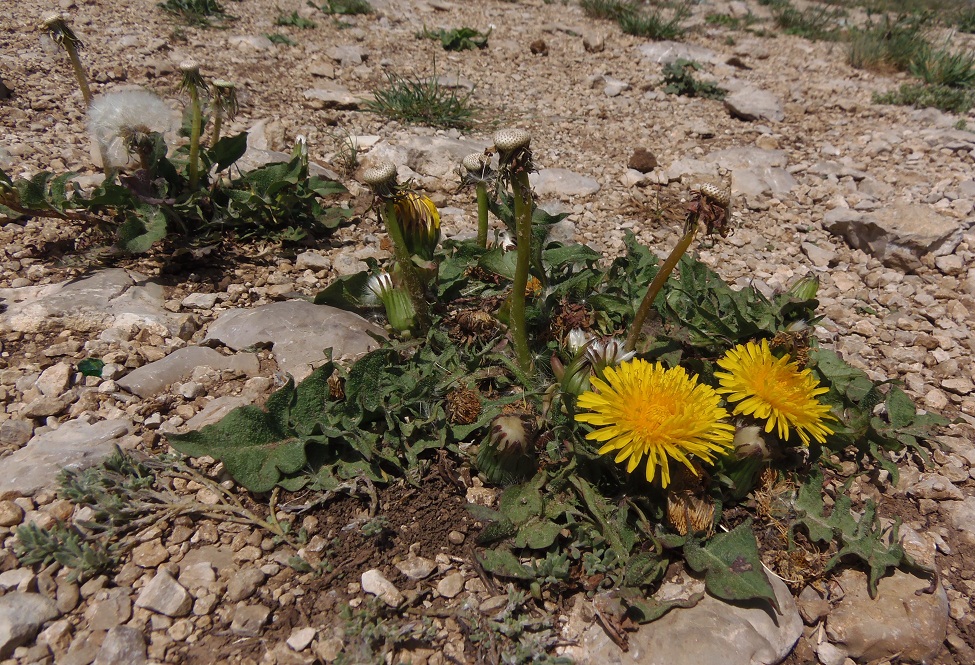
732 566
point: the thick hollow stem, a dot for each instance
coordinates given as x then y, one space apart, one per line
482 215
658 281
194 168
521 190
411 280
217 125
79 72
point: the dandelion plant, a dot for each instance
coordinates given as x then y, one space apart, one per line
194 85
61 33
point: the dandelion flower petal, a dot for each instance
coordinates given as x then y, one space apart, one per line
775 390
642 409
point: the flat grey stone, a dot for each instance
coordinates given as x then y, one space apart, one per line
298 333
249 619
112 297
710 632
21 617
312 261
416 567
562 182
333 96
348 55
244 583
666 52
754 104
75 444
200 300
15 432
55 379
434 156
961 515
123 645
901 234
252 43
152 379
164 595
903 621
374 582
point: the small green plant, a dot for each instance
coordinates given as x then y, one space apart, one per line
945 67
277 38
458 39
85 557
817 23
964 19
607 9
890 44
920 95
723 20
196 12
422 102
346 7
679 80
294 20
634 19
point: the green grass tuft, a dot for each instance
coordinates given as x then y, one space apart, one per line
920 95
294 20
346 7
197 12
422 102
945 67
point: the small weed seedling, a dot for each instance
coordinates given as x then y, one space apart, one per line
294 20
679 80
346 7
422 102
197 12
458 39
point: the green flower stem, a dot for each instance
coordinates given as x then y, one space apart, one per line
523 232
658 281
79 71
411 280
482 215
217 125
197 119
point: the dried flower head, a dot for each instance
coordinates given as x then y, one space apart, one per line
225 97
463 406
508 453
381 178
476 168
775 390
508 140
643 409
57 28
514 151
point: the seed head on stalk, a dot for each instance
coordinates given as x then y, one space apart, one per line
57 28
225 104
193 84
515 162
477 171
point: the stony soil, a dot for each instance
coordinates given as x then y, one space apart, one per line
912 327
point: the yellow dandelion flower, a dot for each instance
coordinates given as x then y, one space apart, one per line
643 409
421 223
775 389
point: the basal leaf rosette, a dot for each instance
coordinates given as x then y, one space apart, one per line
774 390
642 409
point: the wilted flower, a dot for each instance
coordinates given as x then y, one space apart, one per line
775 390
643 409
577 340
117 119
399 308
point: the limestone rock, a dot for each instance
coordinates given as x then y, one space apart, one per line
754 104
297 331
152 379
21 616
75 444
123 645
164 595
710 632
901 234
562 182
374 582
897 623
665 52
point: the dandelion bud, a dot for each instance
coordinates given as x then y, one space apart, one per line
508 453
607 354
805 288
577 340
749 442
421 224
399 308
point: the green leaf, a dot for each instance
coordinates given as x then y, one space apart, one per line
504 564
91 366
644 568
810 509
520 503
732 566
364 384
228 150
537 534
249 442
345 292
867 541
143 227
494 531
644 609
